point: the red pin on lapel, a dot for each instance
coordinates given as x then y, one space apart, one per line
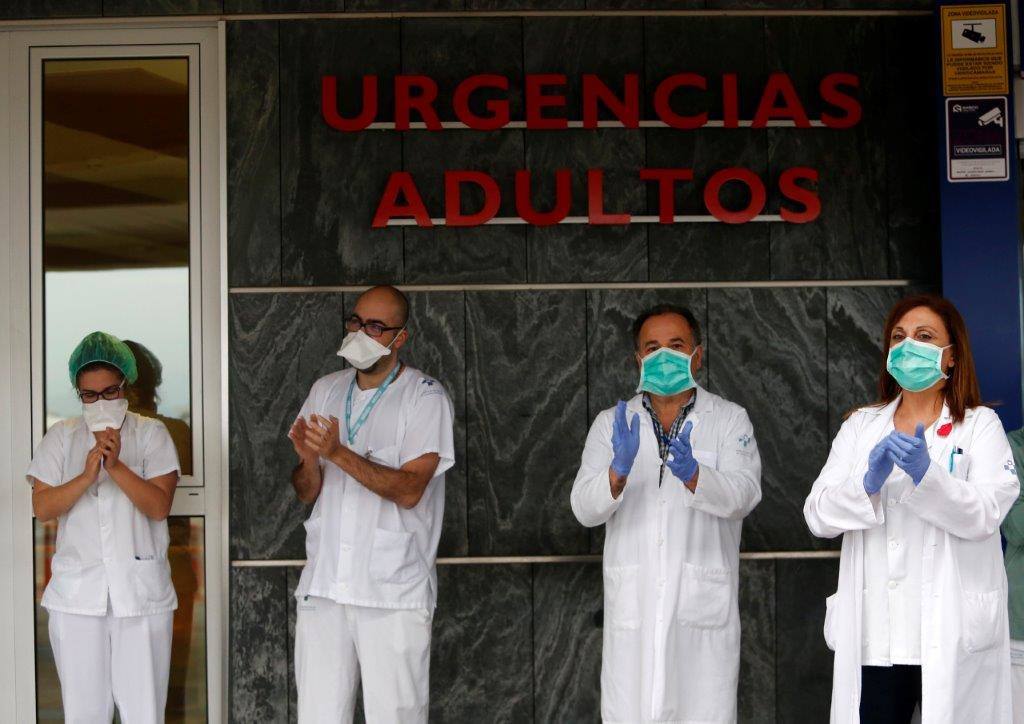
944 430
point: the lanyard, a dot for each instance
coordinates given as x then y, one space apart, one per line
353 430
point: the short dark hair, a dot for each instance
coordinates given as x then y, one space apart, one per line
658 309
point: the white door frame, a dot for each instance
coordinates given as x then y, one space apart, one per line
21 53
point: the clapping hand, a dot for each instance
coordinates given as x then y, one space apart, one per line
681 461
911 453
625 441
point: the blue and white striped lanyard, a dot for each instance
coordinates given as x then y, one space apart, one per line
353 430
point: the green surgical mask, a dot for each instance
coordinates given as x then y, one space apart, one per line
914 365
666 372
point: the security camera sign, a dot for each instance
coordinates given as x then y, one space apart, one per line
974 52
980 33
977 139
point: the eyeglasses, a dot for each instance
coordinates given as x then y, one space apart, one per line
90 396
373 328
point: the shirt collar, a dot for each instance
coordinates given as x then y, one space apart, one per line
645 400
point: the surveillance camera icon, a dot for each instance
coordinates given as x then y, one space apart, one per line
971 34
993 116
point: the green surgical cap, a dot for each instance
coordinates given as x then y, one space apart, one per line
106 348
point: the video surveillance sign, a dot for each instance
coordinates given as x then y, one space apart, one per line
977 139
974 54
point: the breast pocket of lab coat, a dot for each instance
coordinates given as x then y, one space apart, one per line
961 466
705 597
707 458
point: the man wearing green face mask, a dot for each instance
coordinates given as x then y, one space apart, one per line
671 473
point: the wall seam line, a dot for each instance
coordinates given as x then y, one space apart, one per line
566 286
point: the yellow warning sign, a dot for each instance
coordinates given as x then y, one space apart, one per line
974 50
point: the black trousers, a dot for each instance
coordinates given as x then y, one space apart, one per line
889 694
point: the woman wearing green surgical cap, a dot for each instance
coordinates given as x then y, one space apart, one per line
917 485
108 477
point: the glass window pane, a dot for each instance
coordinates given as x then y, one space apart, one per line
186 694
116 227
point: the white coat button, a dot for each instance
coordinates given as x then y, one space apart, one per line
893 585
893 544
661 541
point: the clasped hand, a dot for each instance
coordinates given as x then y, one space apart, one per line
909 452
320 437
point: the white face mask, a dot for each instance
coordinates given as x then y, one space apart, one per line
102 414
361 350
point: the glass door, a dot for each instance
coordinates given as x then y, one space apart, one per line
124 227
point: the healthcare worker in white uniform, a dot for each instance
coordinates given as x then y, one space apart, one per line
108 477
917 484
671 474
374 442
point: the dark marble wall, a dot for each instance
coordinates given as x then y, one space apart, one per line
529 367
516 643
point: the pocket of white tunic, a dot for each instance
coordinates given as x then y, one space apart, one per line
983 619
621 597
393 558
65 581
705 597
829 630
386 456
152 580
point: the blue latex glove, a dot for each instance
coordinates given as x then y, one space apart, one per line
680 460
911 453
880 462
625 441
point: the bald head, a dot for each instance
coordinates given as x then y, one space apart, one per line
385 304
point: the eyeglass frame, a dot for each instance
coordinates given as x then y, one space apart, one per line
114 391
365 325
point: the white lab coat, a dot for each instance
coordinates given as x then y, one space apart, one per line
671 566
965 657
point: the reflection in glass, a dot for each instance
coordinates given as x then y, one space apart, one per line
144 399
186 693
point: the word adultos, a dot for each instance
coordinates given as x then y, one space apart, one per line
480 102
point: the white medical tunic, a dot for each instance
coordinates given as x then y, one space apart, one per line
106 547
671 649
362 549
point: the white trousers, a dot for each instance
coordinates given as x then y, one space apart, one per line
103 661
1017 689
337 645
